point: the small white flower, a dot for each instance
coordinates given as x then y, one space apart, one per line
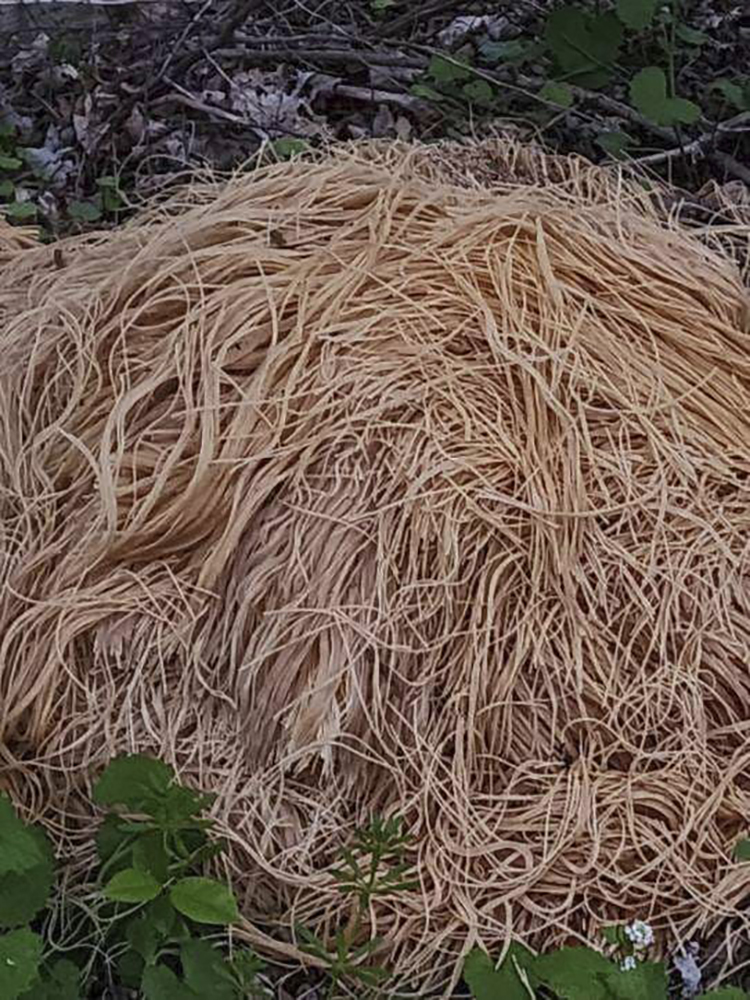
628 964
640 934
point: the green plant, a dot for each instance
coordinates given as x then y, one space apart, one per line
155 911
150 847
579 973
26 878
107 201
372 866
11 162
641 44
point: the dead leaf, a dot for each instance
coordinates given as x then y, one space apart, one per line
273 103
88 130
403 128
53 160
383 124
135 125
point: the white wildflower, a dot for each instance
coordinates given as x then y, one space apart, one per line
689 970
628 964
640 934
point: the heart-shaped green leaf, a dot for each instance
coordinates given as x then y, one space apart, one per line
488 983
614 143
585 48
734 92
648 92
443 70
557 93
514 51
479 92
575 973
84 211
20 209
647 981
691 36
636 14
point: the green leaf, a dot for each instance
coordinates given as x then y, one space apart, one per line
488 983
107 181
736 94
130 968
246 966
287 147
24 895
162 915
112 836
614 143
557 93
426 93
648 92
20 209
443 70
10 162
149 855
7 189
311 943
160 983
575 973
204 900
584 47
63 982
636 14
20 956
647 981
691 36
84 211
132 886
514 51
479 92
206 972
742 850
19 848
179 805
137 782
615 935
143 938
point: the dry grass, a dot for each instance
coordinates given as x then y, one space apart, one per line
347 488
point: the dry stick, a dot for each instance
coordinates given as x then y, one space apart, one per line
191 101
701 145
438 7
323 55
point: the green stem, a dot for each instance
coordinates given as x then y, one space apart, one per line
673 48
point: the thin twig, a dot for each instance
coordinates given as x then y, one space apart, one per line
375 59
702 145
